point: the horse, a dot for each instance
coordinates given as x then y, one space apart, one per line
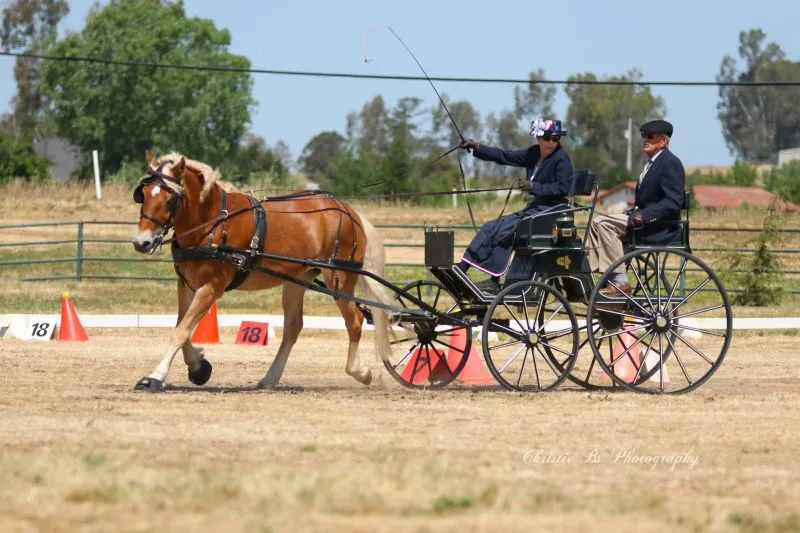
206 213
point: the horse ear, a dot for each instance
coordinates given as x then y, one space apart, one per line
149 157
179 167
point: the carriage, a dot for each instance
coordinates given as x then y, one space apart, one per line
549 323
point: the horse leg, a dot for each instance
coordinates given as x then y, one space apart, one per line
185 296
199 368
292 325
353 319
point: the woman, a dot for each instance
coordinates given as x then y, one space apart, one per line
549 176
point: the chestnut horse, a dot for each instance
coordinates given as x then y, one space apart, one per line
188 196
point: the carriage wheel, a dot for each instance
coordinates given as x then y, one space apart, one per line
655 348
427 354
586 373
537 337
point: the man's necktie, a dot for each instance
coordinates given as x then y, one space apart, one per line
646 168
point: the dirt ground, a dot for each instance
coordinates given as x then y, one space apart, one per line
81 451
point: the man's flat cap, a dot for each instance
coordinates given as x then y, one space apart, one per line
657 126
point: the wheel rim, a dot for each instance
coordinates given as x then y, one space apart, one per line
657 349
529 320
426 354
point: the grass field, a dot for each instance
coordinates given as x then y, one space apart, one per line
82 452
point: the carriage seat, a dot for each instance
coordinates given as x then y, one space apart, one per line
536 231
678 231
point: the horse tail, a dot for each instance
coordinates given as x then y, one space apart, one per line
375 263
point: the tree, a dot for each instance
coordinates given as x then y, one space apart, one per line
29 26
759 121
320 153
255 158
122 110
19 160
536 100
597 119
368 130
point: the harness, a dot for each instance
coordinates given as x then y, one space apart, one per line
242 258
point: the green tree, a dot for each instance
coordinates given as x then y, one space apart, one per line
320 153
121 110
759 121
19 160
368 130
254 158
536 100
597 119
29 26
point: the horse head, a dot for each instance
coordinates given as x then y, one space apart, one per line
160 193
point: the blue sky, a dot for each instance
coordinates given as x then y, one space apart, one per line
677 40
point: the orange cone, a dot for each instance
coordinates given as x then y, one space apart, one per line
474 372
70 328
425 361
628 365
207 331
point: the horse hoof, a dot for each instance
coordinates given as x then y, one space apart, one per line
203 374
149 385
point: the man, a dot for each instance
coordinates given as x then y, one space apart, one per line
657 207
548 178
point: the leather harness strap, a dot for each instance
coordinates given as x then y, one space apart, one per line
243 259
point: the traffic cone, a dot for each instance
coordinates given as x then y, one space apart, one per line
474 372
207 331
70 328
425 361
628 365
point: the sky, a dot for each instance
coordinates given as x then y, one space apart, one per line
679 40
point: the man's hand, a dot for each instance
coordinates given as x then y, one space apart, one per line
525 185
635 219
469 144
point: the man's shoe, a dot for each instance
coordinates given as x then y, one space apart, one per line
611 291
489 286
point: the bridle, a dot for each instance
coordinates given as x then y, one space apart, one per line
157 176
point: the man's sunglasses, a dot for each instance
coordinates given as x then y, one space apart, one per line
548 138
650 136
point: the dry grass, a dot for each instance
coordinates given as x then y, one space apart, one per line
82 452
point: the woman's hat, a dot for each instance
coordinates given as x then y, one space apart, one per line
547 128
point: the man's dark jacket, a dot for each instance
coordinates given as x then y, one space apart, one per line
659 198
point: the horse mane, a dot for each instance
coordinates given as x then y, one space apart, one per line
210 175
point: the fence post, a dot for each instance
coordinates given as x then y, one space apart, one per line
79 257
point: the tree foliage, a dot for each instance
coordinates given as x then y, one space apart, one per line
19 160
320 153
29 26
597 119
121 111
784 181
759 121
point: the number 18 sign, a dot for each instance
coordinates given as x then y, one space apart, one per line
253 333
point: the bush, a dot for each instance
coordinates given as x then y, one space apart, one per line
18 159
762 278
784 181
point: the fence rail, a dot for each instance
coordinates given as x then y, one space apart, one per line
80 259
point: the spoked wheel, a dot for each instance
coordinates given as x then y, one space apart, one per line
537 337
662 342
585 373
427 354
